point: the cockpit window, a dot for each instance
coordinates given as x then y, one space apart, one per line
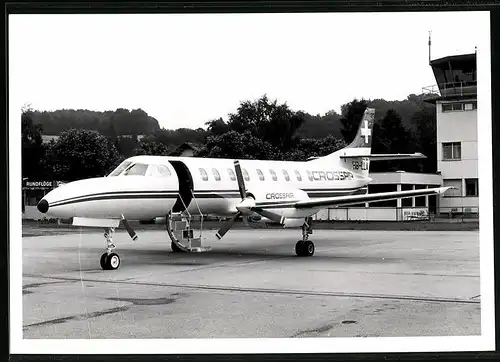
139 169
158 171
120 168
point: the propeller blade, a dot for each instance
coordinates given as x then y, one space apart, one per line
241 181
129 229
270 215
226 226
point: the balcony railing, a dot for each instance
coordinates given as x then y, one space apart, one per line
451 89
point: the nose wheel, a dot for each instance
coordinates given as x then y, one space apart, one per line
109 260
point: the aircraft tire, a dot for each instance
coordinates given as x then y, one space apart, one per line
175 248
112 261
103 261
304 248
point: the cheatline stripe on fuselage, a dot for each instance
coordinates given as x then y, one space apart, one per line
116 195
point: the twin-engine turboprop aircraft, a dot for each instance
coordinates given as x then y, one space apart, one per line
283 192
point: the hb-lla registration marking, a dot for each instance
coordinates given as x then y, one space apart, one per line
363 165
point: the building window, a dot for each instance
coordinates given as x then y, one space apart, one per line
452 151
286 175
297 174
216 174
471 187
245 174
273 175
203 174
459 106
260 174
457 184
231 174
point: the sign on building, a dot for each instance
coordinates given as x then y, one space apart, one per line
418 213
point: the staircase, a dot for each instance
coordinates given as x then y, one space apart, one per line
180 231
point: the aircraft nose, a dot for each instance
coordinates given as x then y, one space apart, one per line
43 206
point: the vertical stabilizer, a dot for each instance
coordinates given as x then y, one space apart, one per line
364 136
361 146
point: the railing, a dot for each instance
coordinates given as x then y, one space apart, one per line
451 88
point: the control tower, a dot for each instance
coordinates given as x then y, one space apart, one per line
455 97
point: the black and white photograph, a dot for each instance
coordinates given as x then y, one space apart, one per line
250 183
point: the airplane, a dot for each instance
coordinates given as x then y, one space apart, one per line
286 193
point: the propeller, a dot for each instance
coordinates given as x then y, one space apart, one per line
246 205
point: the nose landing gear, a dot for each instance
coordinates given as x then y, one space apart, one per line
109 260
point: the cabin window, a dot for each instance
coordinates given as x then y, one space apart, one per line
216 174
245 174
298 175
286 175
120 168
261 175
273 175
231 174
139 169
203 174
158 171
309 175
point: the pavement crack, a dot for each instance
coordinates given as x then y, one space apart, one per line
78 317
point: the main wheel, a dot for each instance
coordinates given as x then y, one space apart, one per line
103 261
304 248
175 248
112 261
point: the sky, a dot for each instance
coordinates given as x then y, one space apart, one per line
186 69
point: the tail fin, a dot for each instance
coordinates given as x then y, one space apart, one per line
363 138
358 150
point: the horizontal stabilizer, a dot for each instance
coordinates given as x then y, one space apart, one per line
388 156
106 223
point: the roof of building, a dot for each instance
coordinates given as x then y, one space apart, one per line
185 146
454 58
47 138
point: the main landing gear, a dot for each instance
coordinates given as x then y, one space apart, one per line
109 260
305 247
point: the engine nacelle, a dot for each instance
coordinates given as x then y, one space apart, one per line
256 221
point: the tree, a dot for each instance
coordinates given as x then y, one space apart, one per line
217 126
390 136
233 144
352 113
272 122
424 122
33 149
80 154
151 147
309 147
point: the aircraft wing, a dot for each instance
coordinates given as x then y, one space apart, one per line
337 201
388 156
